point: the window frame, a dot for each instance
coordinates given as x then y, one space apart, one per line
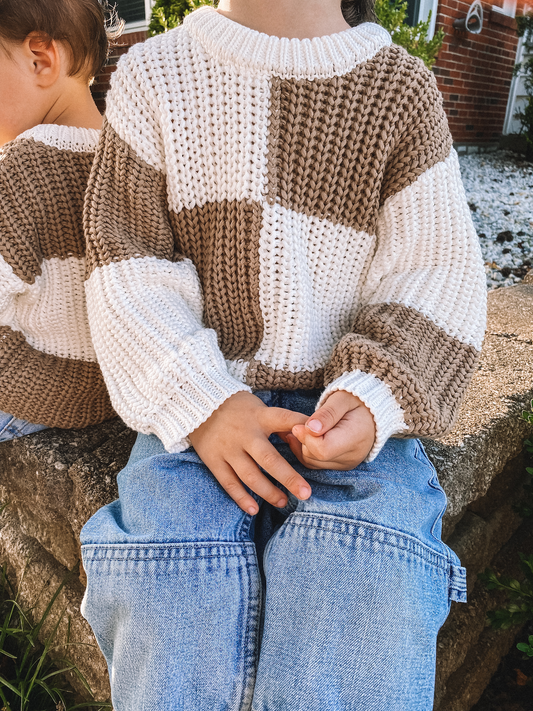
422 10
140 25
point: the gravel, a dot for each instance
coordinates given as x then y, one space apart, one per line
499 190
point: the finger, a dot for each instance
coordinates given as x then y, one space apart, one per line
296 447
271 461
327 447
249 473
302 453
233 486
334 465
327 416
300 432
278 419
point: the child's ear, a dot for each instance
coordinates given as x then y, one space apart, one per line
45 57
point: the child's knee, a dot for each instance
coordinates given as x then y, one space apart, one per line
170 498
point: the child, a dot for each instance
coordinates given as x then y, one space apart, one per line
49 127
283 273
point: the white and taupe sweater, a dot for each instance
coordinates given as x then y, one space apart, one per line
267 213
48 369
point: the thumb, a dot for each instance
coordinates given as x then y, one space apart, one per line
326 417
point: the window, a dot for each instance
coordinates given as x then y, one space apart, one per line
135 13
418 10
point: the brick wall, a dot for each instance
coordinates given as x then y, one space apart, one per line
101 82
474 72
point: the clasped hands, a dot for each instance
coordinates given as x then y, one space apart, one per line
233 443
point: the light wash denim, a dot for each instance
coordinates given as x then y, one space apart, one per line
11 427
343 616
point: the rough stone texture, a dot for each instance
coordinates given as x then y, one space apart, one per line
37 575
54 481
489 431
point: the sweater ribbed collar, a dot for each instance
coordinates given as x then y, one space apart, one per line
257 53
66 138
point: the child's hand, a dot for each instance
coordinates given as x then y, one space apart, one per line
339 435
234 441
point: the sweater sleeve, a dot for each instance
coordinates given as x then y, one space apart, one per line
164 370
417 336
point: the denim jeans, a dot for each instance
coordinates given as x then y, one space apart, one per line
332 604
11 427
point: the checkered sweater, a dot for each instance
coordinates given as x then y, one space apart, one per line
48 369
267 213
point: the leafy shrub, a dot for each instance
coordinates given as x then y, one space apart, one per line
29 679
167 14
391 14
525 116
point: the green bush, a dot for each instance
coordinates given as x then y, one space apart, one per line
167 14
525 115
391 14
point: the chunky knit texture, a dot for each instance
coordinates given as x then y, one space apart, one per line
48 369
270 213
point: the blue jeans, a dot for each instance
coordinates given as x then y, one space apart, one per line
11 427
332 604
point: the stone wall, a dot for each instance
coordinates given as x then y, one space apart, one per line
54 481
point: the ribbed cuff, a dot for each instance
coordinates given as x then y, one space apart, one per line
204 384
377 396
201 397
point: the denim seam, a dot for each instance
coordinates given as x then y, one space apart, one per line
7 425
251 653
244 527
350 526
129 551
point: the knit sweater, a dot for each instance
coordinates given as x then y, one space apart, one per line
48 369
266 213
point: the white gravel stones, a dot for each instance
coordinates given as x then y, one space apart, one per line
499 190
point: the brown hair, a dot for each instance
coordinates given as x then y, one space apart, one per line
86 26
357 11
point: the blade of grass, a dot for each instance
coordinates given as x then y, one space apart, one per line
6 703
45 614
44 655
52 693
83 680
35 631
12 688
58 671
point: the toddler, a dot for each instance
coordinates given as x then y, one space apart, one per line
49 127
285 289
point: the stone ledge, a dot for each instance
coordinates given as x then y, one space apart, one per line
55 480
489 431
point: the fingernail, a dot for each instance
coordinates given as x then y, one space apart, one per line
315 426
305 492
252 510
281 504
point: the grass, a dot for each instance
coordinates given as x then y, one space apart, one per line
29 679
